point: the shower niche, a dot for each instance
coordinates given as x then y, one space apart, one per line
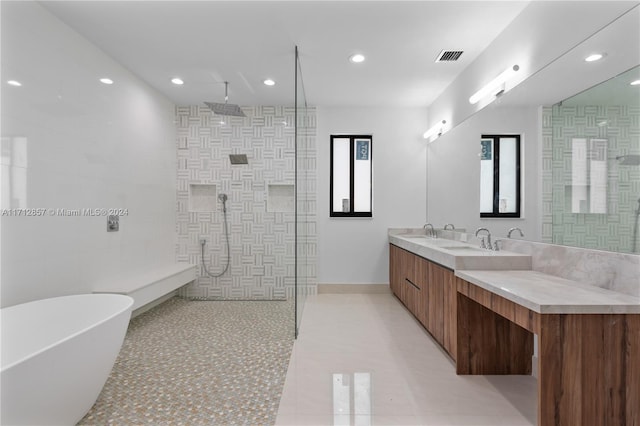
203 197
281 198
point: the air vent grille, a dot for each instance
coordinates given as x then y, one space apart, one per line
449 55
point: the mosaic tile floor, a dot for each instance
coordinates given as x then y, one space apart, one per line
199 363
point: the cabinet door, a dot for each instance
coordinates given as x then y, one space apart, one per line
409 289
395 265
450 313
436 301
422 280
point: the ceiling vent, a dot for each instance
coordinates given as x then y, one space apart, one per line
449 55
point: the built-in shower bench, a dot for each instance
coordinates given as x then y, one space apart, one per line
151 287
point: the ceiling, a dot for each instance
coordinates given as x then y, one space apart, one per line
245 42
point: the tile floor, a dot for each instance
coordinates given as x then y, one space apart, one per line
199 363
364 360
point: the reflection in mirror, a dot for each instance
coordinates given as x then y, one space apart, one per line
500 176
595 181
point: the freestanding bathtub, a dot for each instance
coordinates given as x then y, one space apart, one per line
57 355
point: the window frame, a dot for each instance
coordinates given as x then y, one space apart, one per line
352 147
496 177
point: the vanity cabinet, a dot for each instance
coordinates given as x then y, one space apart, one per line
427 290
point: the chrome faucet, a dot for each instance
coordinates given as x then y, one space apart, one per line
433 231
449 224
488 238
514 229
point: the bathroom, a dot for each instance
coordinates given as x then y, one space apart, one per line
68 143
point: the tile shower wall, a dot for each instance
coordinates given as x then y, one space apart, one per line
611 231
260 206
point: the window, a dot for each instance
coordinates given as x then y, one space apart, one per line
500 176
350 186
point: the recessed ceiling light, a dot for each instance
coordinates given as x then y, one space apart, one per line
177 81
106 81
357 58
635 83
269 82
14 83
594 57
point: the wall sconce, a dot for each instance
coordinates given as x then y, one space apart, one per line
437 129
494 86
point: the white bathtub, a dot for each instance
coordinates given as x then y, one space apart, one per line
57 355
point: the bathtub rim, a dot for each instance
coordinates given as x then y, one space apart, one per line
129 303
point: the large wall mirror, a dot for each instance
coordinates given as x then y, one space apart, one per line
580 149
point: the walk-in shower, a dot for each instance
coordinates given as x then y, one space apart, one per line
246 201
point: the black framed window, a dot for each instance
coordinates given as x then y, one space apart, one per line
500 176
351 186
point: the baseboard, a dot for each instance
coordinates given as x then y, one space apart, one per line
353 288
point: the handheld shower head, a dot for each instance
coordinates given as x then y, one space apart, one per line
223 199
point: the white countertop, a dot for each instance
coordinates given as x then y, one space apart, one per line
457 255
548 294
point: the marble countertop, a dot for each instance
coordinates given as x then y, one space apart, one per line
548 294
457 255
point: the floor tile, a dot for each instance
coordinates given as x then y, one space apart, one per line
364 359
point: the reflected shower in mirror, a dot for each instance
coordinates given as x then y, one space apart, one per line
595 166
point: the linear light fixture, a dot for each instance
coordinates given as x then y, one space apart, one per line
437 129
492 87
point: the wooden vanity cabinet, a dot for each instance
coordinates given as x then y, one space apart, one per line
427 290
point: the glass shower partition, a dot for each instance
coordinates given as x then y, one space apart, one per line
305 194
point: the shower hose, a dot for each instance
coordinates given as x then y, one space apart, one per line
204 242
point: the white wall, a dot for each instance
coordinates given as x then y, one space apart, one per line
355 251
543 32
81 144
453 165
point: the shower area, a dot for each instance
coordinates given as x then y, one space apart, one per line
246 199
591 167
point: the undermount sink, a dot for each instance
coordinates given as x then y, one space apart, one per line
461 248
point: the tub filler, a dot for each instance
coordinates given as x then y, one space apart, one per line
57 355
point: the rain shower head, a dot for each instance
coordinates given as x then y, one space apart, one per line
225 108
629 160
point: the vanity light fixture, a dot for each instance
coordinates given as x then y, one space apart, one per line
269 82
14 83
437 129
492 88
106 81
594 57
177 81
635 83
357 58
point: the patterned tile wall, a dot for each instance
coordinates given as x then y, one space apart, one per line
611 231
262 243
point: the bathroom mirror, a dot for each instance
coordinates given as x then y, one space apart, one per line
580 149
